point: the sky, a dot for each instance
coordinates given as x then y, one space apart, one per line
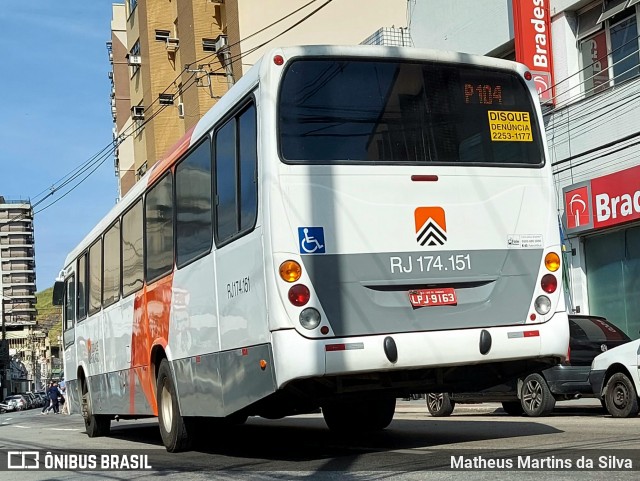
55 115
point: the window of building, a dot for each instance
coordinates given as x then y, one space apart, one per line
608 42
194 232
236 175
95 277
111 266
134 58
82 287
132 5
162 35
132 250
159 229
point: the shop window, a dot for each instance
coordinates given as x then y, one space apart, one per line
608 42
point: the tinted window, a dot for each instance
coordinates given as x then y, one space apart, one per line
193 205
594 329
159 229
69 303
226 186
82 287
132 251
377 111
248 159
111 271
95 277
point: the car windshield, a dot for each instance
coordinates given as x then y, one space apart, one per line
595 329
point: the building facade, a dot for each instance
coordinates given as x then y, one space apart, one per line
19 366
587 56
173 59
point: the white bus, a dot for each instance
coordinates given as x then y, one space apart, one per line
346 226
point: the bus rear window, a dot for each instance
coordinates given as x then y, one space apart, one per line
362 111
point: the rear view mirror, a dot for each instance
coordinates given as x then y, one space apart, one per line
58 293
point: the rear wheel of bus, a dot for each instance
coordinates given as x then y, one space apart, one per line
173 427
361 415
96 425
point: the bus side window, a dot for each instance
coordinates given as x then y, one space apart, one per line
70 303
82 291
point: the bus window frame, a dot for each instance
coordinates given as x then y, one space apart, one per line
84 254
68 332
91 310
233 114
147 280
207 137
140 200
103 236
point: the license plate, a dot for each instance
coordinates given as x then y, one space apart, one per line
433 297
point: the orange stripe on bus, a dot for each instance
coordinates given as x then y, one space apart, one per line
152 309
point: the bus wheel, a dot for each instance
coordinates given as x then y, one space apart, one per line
173 428
621 398
440 404
536 397
96 425
363 415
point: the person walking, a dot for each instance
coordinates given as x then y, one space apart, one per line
47 404
53 392
62 386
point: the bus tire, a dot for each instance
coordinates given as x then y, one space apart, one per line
96 425
621 398
173 427
440 404
359 416
535 396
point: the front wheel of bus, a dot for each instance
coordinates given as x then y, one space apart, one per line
173 428
363 415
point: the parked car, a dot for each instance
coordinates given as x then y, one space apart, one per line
7 408
615 381
537 393
16 400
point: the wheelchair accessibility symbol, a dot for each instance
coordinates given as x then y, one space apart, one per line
311 240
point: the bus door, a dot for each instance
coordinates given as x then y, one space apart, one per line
239 263
64 295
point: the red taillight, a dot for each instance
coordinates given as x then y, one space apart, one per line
299 295
549 283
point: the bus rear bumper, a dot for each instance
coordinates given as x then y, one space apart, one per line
297 357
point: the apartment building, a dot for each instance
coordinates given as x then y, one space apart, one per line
585 56
18 295
173 59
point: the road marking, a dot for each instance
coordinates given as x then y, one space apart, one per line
21 427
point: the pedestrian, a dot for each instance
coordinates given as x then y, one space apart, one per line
47 402
53 392
62 386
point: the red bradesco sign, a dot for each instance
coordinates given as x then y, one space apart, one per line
604 201
532 30
615 198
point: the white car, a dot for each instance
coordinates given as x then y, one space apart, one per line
614 379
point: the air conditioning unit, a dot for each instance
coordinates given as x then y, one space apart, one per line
220 43
217 2
137 112
180 110
134 60
172 44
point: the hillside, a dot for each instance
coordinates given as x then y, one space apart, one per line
49 318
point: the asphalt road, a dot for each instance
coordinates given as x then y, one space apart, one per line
415 446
